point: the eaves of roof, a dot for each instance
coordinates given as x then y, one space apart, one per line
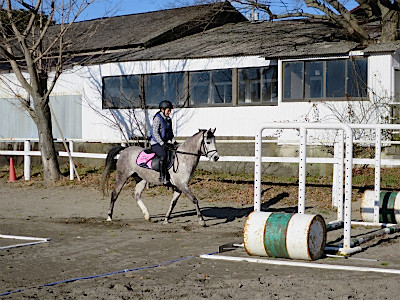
390 47
272 40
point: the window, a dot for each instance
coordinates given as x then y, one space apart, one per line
357 78
168 86
325 79
210 87
293 80
205 88
336 78
258 85
121 92
313 77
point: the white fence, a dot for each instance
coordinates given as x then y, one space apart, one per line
27 153
343 160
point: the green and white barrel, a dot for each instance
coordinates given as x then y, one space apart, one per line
389 207
296 236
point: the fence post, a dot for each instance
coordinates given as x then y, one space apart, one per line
258 169
71 163
302 170
27 160
378 149
338 170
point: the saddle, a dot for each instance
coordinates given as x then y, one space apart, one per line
149 160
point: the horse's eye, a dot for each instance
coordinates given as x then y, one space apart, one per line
208 143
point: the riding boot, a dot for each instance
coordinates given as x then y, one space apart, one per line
163 171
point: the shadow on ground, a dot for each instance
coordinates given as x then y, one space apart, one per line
228 214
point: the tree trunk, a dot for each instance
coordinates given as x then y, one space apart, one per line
390 25
51 169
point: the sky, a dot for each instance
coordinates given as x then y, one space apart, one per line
106 8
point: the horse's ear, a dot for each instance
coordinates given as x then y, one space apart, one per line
211 131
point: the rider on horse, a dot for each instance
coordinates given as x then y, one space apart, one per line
161 134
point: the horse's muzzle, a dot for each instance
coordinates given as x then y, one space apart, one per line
215 157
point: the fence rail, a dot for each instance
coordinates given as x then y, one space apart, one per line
28 153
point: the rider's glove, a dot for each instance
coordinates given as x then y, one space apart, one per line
168 147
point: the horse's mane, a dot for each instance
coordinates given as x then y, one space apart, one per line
201 131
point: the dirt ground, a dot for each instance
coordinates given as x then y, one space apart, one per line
130 258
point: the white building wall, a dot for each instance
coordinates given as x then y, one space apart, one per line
229 121
381 76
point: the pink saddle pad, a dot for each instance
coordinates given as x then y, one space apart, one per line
145 159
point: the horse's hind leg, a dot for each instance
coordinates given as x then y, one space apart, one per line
114 195
121 179
138 192
175 198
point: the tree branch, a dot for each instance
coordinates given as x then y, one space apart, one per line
32 19
392 5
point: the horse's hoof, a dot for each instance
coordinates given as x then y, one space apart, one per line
148 219
202 223
109 219
166 222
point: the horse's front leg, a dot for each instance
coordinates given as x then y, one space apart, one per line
190 195
138 192
175 198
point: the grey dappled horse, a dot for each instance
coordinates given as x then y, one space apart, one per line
186 158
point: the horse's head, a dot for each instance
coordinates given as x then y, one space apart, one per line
209 148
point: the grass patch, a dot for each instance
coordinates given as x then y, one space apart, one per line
238 188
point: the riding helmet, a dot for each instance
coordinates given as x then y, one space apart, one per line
165 104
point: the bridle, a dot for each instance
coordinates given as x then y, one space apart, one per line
202 152
205 151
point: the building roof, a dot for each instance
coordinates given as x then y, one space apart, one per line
142 30
382 48
278 39
205 31
150 29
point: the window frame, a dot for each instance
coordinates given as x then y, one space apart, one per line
120 77
346 97
210 87
174 101
261 85
186 101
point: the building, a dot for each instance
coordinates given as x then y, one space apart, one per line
218 68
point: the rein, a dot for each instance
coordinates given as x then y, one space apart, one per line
200 153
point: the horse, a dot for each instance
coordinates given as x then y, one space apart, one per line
186 158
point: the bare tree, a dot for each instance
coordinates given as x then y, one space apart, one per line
385 14
33 42
126 111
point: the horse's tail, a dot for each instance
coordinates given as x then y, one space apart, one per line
109 167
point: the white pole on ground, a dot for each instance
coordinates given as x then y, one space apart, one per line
290 263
